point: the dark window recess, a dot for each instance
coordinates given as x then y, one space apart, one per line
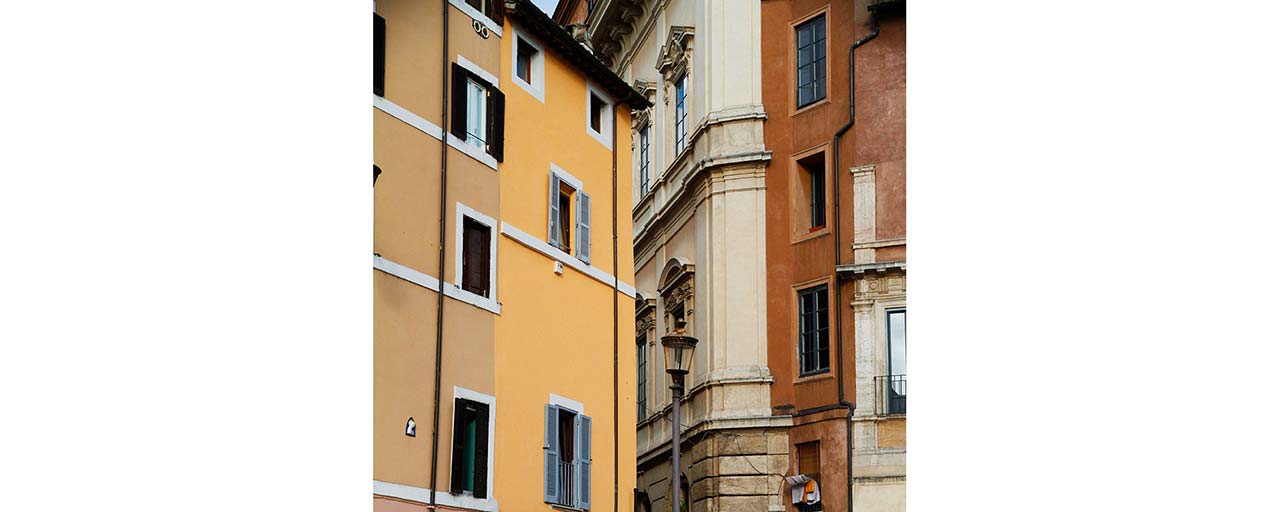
814 167
495 110
379 53
809 459
597 113
642 377
566 201
470 473
814 350
524 61
376 171
475 257
811 61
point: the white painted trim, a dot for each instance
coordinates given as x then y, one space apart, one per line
475 153
462 211
536 71
477 15
408 117
566 177
431 283
568 260
567 403
605 135
492 402
423 495
479 71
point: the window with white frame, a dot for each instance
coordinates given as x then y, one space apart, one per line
569 216
682 111
527 73
567 458
478 111
476 240
471 460
599 110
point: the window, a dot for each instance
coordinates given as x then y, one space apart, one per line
379 53
897 371
814 353
642 376
564 196
524 60
597 113
477 97
809 462
475 257
644 159
567 458
477 112
811 61
814 183
682 111
470 473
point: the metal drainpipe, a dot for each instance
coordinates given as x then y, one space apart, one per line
444 174
835 178
613 297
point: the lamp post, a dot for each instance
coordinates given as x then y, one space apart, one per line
678 350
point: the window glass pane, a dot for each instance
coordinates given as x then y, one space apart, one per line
469 450
475 114
898 342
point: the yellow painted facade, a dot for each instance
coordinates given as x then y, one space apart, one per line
541 331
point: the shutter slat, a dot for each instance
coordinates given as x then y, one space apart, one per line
582 456
584 227
459 462
458 119
553 221
551 456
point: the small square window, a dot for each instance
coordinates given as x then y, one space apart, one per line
524 60
597 113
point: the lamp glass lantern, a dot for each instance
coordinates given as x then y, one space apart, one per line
678 352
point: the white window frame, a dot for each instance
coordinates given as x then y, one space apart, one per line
605 135
537 89
465 501
464 211
576 185
477 153
477 106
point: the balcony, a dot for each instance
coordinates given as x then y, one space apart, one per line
891 395
565 497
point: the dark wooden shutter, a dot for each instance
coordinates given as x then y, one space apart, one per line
482 451
459 458
379 53
497 106
458 121
475 257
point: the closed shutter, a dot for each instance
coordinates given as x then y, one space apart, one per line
584 227
497 104
459 441
553 213
379 53
582 461
458 123
475 257
551 456
496 11
482 451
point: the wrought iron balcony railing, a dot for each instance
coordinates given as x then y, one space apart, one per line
566 484
891 394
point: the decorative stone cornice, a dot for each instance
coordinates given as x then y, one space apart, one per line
615 22
676 53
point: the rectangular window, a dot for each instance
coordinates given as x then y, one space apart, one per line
811 61
809 462
379 53
813 170
524 60
597 113
897 371
475 257
567 458
478 109
642 377
644 159
814 352
682 113
562 214
476 113
470 471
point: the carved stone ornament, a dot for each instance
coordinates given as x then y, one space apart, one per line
677 53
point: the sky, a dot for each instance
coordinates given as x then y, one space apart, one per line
547 6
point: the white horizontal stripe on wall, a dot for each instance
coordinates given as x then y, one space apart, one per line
433 284
543 247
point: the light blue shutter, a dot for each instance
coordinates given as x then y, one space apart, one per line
553 222
582 460
551 457
584 227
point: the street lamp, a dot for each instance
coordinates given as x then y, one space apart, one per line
678 352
